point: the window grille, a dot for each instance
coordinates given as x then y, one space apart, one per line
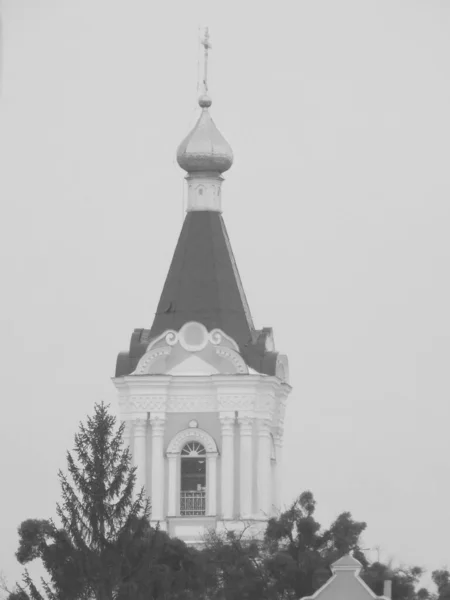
193 503
193 449
193 480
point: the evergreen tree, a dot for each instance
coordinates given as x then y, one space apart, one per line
105 547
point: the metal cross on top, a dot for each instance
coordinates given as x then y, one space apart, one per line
207 46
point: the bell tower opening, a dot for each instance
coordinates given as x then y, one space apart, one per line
193 480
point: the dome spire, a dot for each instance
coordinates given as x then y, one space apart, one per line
207 46
204 153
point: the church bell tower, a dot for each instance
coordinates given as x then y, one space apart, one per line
203 392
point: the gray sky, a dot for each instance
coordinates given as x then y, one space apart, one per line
337 207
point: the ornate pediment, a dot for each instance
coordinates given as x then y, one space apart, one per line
192 351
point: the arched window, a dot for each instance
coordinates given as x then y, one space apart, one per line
193 480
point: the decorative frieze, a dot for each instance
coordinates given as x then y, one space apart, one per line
227 402
194 403
148 403
201 403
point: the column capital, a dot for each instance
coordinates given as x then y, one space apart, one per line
140 426
212 455
264 427
278 437
245 424
172 455
157 422
227 421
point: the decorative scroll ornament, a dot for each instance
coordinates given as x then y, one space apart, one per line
215 337
171 338
193 338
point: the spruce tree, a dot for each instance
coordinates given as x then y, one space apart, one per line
105 539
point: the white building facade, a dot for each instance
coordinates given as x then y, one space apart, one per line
203 393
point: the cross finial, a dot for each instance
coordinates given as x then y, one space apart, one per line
207 46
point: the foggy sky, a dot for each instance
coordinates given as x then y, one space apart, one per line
337 207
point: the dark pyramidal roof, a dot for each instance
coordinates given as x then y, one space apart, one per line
203 285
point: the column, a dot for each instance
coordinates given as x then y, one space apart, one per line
211 470
157 422
227 464
263 472
246 467
278 488
140 453
172 491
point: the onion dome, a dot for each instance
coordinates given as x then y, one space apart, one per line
205 148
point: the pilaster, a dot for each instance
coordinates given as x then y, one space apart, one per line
227 421
278 487
172 507
211 471
264 468
140 452
157 422
246 465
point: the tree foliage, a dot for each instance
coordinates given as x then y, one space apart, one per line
294 558
291 561
104 547
441 578
301 551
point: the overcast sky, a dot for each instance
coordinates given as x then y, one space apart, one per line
337 206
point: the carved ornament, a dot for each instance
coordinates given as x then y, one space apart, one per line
234 358
236 402
177 443
146 361
191 404
149 403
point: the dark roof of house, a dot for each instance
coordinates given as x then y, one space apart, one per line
203 284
